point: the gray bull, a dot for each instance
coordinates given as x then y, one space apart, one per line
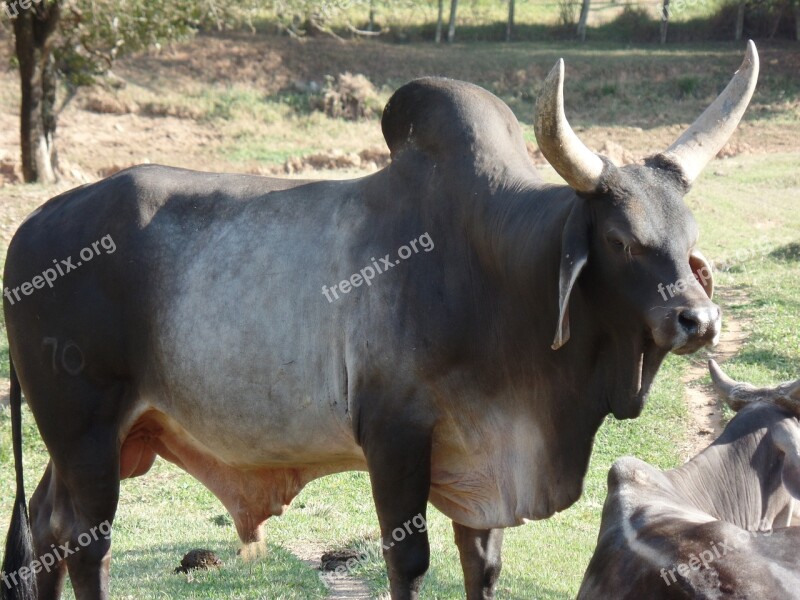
213 336
705 530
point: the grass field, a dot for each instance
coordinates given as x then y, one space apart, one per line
747 207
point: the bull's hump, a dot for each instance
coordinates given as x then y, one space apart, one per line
448 119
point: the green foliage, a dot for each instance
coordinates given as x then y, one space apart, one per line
300 17
687 85
635 25
94 33
568 11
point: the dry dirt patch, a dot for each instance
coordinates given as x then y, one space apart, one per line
342 587
705 409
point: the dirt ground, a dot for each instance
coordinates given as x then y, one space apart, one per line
93 144
705 408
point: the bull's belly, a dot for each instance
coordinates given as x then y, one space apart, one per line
255 371
252 480
245 429
247 404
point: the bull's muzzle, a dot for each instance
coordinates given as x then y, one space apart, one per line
694 328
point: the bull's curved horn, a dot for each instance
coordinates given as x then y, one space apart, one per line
701 142
738 395
580 167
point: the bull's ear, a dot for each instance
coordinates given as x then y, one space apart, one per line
701 269
786 436
574 254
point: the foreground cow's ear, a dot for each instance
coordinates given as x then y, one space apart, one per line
702 271
786 436
574 254
794 391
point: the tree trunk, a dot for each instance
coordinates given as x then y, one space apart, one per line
739 21
582 20
371 25
33 29
776 21
510 24
664 21
439 22
797 20
451 27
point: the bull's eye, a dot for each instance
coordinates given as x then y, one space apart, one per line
616 243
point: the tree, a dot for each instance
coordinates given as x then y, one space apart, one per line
439 22
739 20
451 27
78 40
585 5
34 26
510 23
371 24
797 20
664 21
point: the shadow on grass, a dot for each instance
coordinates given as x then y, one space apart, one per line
149 572
766 358
788 253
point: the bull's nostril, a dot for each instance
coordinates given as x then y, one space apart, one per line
695 322
692 322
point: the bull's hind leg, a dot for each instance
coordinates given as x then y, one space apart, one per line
480 559
50 579
74 505
81 496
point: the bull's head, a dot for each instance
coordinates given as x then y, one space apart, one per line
633 227
786 434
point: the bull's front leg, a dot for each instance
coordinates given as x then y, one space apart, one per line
480 551
398 456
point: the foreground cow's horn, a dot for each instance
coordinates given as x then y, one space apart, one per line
695 148
580 167
738 395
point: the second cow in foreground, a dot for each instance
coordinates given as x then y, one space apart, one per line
715 527
210 336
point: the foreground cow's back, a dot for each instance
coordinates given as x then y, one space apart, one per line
713 528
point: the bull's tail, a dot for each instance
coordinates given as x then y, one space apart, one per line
19 544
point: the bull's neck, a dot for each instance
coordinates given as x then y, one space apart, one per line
519 232
516 233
